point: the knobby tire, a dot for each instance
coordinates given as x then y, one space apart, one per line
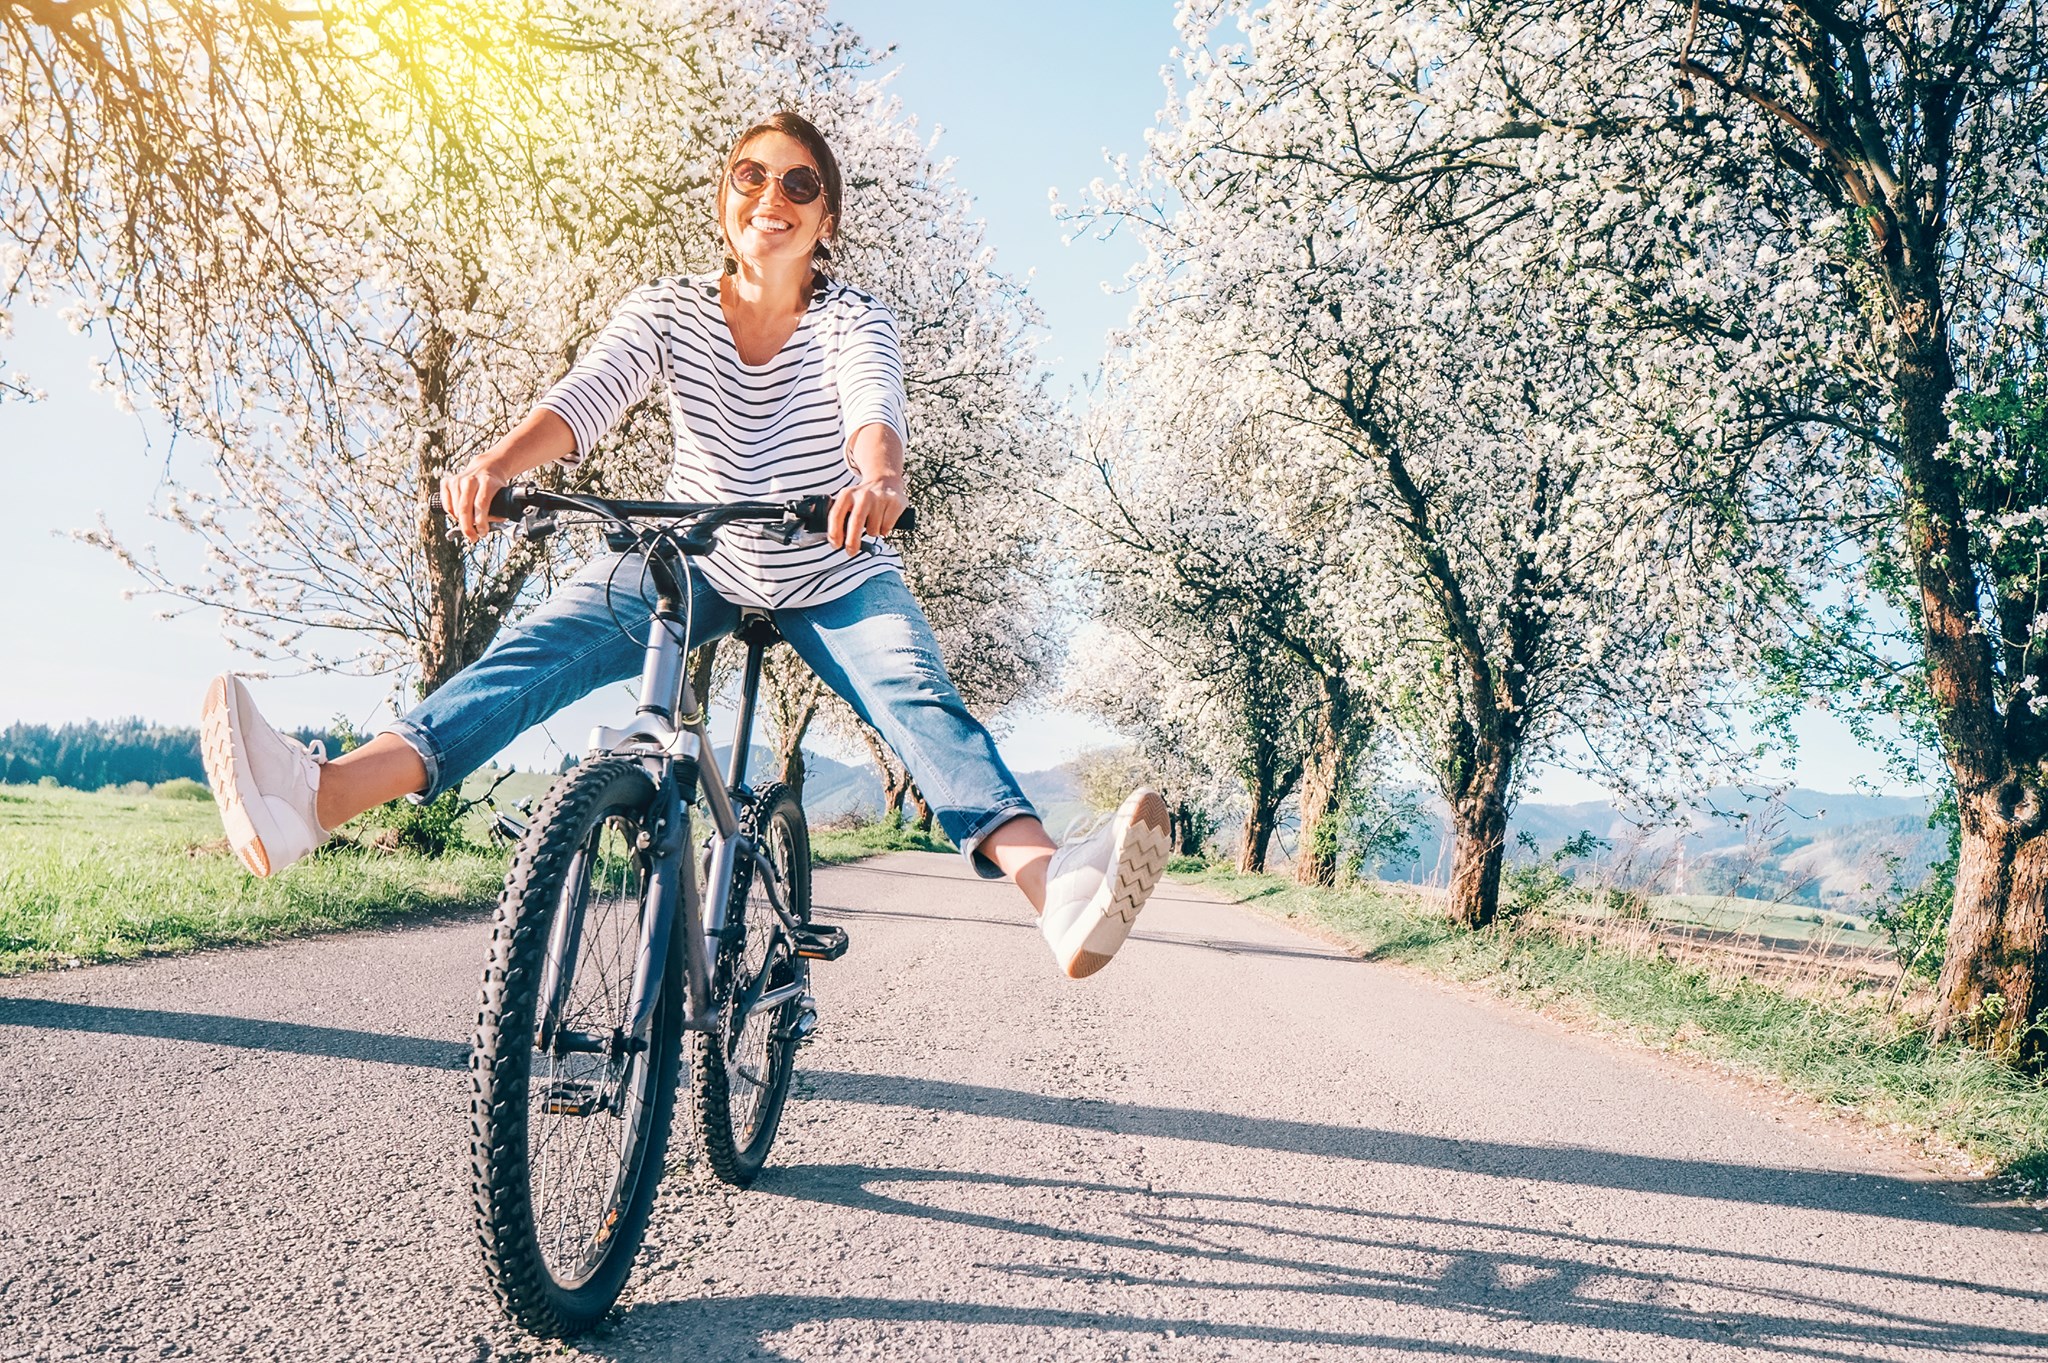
725 1099
600 805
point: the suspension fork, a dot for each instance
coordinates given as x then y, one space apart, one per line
565 935
672 885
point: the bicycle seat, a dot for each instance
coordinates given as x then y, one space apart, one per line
757 627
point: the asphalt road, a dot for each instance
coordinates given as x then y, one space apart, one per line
1236 1142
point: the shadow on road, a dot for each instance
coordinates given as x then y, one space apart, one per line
1860 1194
1229 945
1335 1262
212 1029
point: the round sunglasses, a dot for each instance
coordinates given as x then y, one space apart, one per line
800 184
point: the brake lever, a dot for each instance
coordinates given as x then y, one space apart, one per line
801 538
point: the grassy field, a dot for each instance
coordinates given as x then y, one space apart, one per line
88 877
103 877
1846 1049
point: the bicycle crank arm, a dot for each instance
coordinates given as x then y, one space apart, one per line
773 998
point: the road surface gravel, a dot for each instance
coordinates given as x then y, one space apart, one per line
1236 1142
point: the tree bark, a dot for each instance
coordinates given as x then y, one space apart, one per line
443 558
1479 827
795 706
895 776
1993 989
1333 746
1263 799
922 808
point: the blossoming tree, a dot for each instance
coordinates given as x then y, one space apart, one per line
1524 571
1829 216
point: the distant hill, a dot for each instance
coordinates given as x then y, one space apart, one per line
1826 850
834 789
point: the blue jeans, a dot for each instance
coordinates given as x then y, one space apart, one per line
872 646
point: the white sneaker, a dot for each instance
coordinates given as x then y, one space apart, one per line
1097 883
264 782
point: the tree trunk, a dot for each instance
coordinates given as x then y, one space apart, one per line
895 777
1188 829
921 808
1259 823
1991 990
1479 827
443 558
1993 986
795 705
1325 778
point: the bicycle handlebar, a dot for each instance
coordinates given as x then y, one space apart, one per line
515 500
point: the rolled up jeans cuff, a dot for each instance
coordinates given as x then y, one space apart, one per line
970 845
421 742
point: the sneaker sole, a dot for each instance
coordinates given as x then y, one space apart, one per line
1142 851
217 751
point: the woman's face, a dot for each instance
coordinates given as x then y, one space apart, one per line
767 228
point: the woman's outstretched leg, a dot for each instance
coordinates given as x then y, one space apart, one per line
279 798
386 768
1021 850
874 648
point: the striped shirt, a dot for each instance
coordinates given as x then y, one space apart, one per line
743 432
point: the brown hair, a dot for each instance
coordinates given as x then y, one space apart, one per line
804 131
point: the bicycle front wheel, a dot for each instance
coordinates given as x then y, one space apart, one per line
569 1114
743 1069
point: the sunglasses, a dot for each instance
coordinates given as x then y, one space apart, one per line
800 184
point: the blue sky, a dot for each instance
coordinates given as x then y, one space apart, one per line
1029 98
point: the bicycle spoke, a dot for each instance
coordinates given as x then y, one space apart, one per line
578 1149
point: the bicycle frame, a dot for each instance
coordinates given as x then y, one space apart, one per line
668 735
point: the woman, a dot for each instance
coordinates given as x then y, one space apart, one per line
781 383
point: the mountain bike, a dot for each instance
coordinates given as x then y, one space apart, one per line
618 936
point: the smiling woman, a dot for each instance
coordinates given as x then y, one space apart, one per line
781 383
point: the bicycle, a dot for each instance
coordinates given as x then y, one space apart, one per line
590 987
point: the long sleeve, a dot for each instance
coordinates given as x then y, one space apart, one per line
869 373
613 374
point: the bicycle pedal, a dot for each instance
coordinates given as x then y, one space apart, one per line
568 1098
817 942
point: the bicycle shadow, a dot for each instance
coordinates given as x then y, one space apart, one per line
220 1029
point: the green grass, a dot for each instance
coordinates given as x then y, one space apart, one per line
91 877
834 846
108 877
1764 918
1844 1049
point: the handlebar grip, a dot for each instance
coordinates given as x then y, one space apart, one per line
509 502
813 512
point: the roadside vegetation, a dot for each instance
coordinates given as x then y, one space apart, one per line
852 840
135 870
1846 1042
113 875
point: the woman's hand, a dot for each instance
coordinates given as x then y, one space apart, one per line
467 496
870 507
